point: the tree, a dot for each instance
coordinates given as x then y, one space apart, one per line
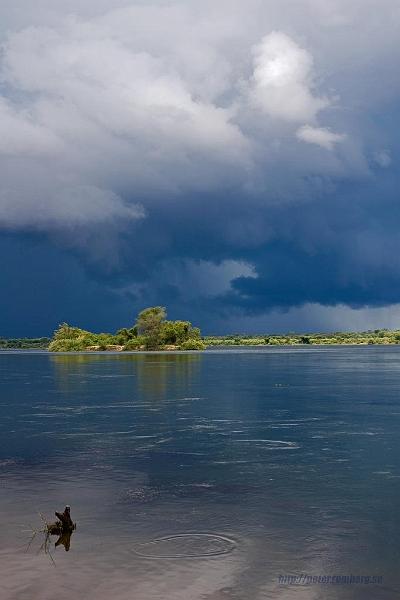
149 325
177 332
124 335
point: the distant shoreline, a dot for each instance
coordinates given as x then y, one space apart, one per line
379 337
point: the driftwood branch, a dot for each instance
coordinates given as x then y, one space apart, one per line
63 527
64 523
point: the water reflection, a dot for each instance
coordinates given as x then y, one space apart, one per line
64 540
208 478
154 375
166 375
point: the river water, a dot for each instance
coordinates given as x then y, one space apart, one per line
230 474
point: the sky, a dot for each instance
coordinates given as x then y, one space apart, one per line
233 160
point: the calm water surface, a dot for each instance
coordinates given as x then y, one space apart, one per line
202 476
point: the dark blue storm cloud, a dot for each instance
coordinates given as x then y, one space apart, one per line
229 169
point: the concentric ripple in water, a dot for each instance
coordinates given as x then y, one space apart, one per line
186 545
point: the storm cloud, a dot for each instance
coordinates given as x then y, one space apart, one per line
231 160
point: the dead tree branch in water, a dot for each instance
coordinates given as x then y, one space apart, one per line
63 527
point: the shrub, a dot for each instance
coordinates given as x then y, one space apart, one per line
69 345
177 332
134 343
193 344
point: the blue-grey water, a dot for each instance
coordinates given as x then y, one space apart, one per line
203 476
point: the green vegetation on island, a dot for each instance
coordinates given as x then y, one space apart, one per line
24 343
376 336
151 331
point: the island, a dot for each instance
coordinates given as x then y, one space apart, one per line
152 331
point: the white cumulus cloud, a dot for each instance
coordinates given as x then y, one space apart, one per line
159 100
321 136
67 207
283 79
21 134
